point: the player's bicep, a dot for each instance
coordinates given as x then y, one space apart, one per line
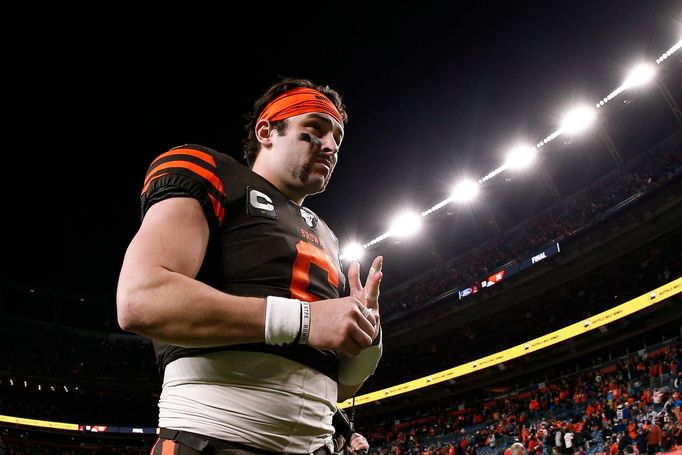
173 236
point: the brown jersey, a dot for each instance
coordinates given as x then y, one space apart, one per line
260 244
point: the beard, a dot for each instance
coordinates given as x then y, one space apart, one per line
306 170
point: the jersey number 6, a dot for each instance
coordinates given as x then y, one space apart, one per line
300 278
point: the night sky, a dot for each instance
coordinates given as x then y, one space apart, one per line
434 90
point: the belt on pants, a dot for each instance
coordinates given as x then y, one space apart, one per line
214 446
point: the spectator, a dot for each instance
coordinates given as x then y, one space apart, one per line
517 449
653 438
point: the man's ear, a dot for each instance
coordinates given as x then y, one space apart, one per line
264 132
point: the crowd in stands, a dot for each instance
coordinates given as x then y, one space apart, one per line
567 218
631 405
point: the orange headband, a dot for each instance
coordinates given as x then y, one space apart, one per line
301 100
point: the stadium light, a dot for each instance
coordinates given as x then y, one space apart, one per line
640 75
520 157
577 120
406 224
353 252
465 191
676 47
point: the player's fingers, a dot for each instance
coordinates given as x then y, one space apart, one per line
358 442
375 313
369 316
361 339
372 289
376 266
354 280
355 342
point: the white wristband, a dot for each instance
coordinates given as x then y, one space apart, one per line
282 320
356 370
305 323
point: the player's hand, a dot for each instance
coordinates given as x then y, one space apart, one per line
357 444
369 293
339 325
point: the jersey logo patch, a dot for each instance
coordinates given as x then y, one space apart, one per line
309 217
259 204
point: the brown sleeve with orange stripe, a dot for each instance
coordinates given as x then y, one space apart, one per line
186 171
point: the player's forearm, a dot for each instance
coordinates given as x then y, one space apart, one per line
176 309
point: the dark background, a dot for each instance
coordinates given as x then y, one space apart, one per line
434 90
